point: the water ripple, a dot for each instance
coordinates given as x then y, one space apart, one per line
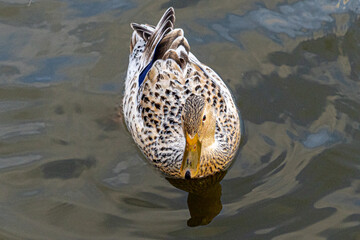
320 138
6 106
14 161
50 70
298 19
21 129
92 8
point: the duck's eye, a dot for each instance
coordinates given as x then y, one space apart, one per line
204 118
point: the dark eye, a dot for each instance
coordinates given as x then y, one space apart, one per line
204 118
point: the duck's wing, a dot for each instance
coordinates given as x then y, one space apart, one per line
164 59
160 95
152 37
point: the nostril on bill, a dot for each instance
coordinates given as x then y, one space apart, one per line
187 174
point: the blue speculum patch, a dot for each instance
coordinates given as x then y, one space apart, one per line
145 71
147 68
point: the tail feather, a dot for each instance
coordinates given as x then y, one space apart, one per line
164 26
153 35
143 30
162 42
175 46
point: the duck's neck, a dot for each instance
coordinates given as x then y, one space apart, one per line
212 160
208 129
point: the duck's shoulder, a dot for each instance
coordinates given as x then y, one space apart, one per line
160 95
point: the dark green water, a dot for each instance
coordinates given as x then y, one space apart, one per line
70 170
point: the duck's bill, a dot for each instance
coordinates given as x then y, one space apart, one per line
191 160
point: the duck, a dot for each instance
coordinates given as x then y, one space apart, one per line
178 110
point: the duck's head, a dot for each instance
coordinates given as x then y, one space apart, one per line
198 123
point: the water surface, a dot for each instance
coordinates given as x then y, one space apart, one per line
70 170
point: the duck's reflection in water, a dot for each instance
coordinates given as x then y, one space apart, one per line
204 199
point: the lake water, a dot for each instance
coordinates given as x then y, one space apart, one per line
70 170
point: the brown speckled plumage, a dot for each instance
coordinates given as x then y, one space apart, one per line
153 111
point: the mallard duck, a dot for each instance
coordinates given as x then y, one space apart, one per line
179 111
